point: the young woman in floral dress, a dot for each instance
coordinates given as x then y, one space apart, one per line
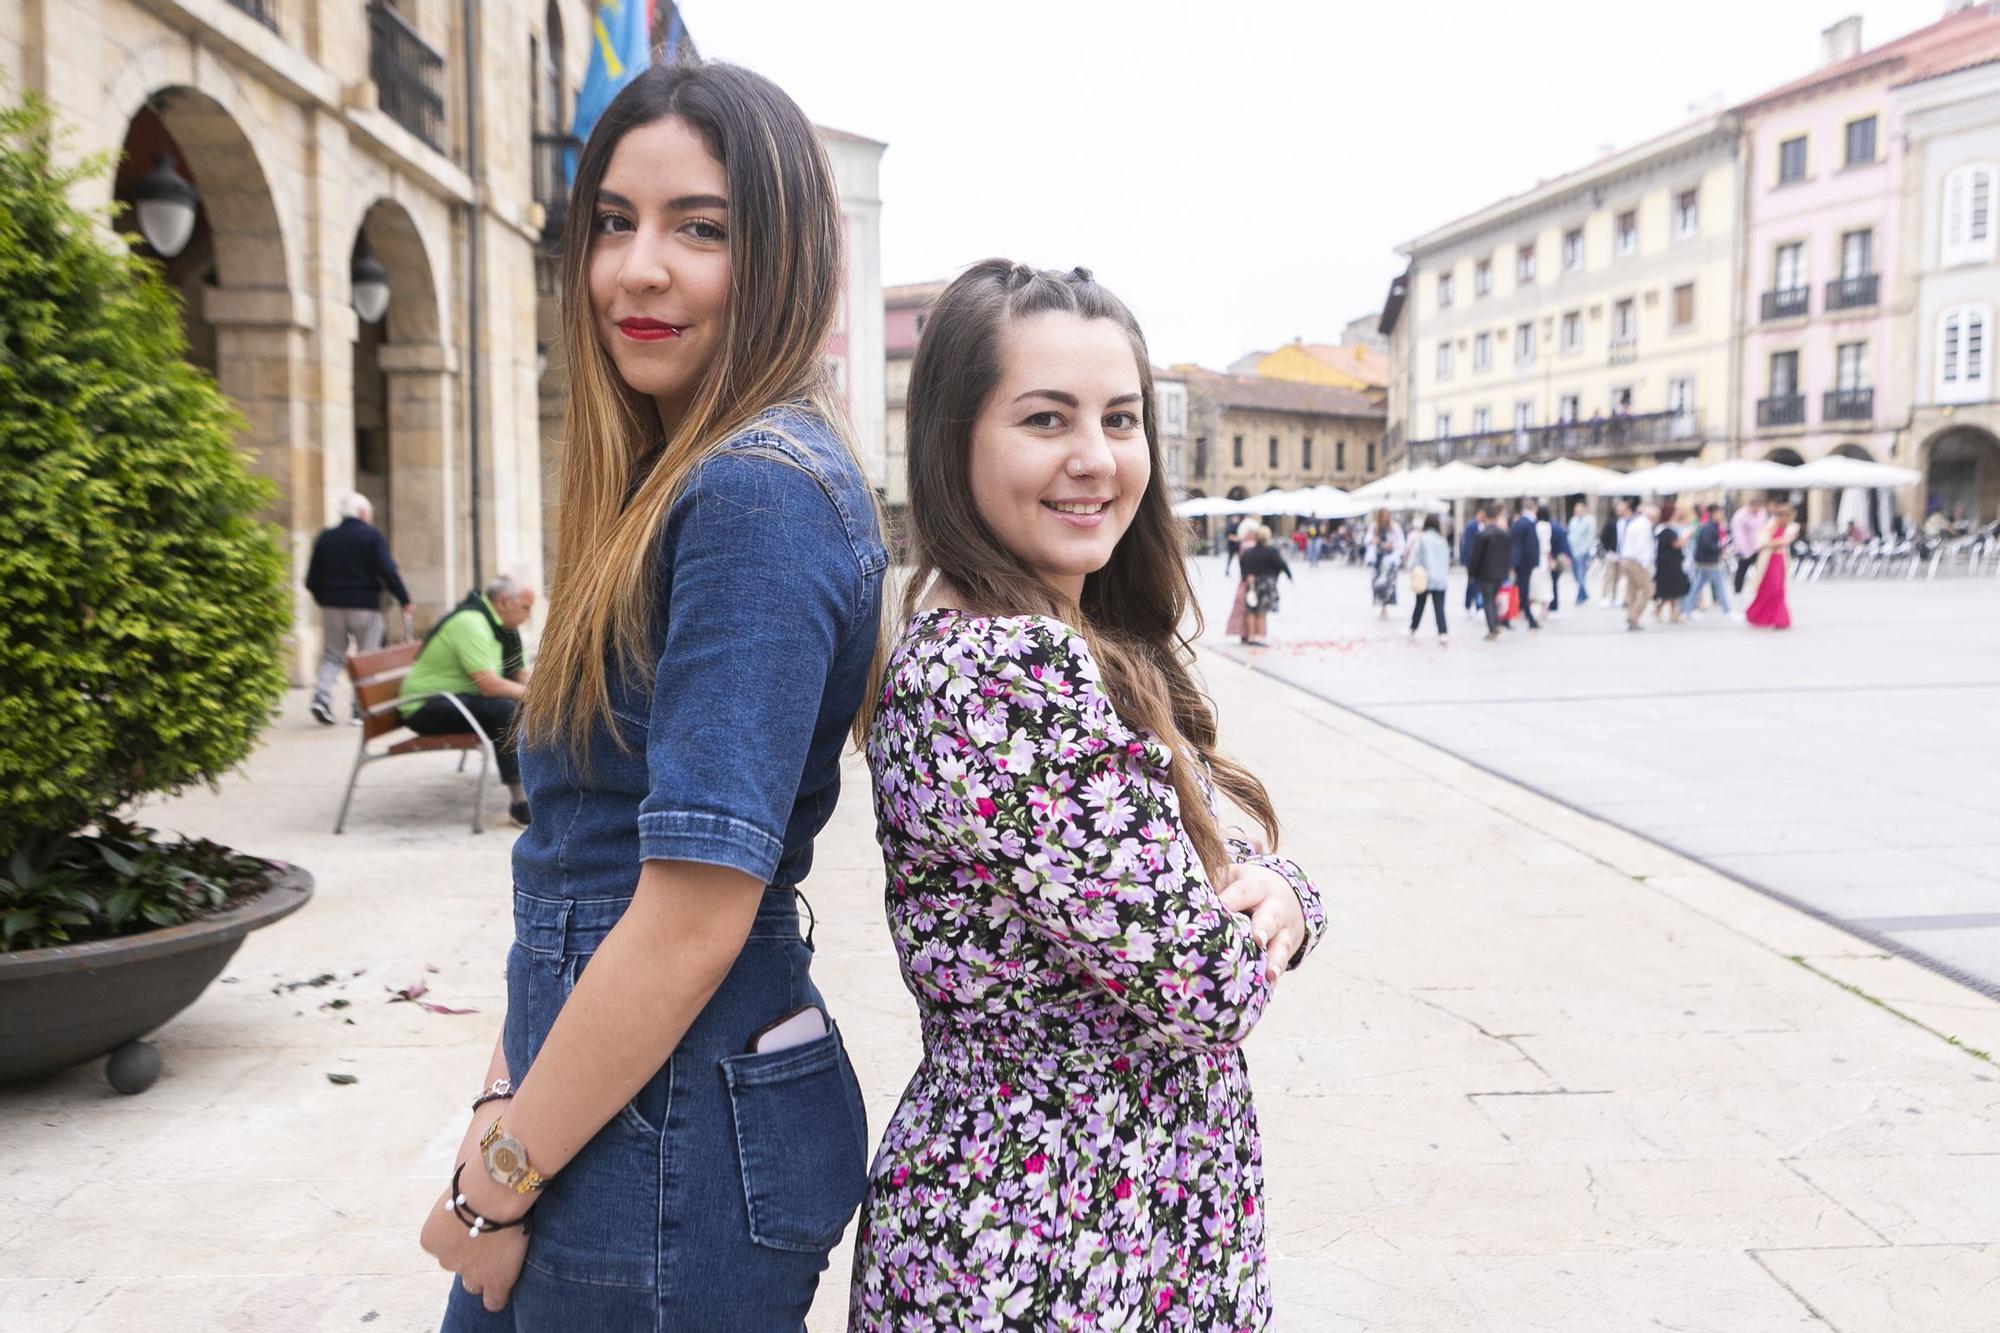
1086 946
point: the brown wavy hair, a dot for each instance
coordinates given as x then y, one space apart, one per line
621 472
1133 610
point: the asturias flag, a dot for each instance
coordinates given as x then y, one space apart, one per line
621 44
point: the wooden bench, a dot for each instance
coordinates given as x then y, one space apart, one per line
378 689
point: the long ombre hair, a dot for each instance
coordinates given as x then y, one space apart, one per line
1132 611
621 472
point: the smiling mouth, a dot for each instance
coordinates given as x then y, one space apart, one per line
1083 508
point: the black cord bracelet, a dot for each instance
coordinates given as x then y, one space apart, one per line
475 1224
486 1097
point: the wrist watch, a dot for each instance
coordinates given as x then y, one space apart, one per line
507 1161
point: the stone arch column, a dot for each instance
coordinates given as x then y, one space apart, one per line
424 472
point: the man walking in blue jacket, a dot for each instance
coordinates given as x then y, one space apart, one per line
349 570
1525 550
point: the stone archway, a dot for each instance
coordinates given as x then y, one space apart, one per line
244 323
1874 510
1961 468
404 389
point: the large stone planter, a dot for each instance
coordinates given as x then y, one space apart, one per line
75 1002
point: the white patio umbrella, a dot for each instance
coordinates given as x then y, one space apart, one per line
1204 506
1754 474
1666 479
1327 502
1839 472
1566 476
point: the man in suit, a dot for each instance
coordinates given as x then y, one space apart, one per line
1466 547
349 571
1488 567
1525 552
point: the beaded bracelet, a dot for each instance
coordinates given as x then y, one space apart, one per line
502 1090
475 1225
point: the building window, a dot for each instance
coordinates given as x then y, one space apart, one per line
1444 360
1524 416
1861 141
1173 411
1573 250
1444 291
1482 351
1236 452
1628 232
1524 264
1482 420
1791 267
1443 433
1524 343
1683 305
1784 374
1624 321
1572 331
1340 455
1850 369
1968 214
1792 160
1687 213
1571 409
1482 277
1273 464
1201 456
1306 453
1371 455
1857 253
1963 373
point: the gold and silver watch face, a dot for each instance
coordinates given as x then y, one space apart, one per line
505 1160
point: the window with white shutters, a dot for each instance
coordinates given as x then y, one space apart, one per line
1964 348
1968 214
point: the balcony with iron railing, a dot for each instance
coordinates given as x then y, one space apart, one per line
1598 438
408 74
264 11
1788 303
1782 409
1848 405
551 168
1846 293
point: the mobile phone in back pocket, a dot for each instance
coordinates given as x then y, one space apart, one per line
800 1026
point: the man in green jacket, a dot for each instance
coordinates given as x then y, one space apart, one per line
474 656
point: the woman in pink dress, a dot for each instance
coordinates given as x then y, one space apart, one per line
1769 609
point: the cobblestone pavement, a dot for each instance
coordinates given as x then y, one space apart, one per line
1851 763
1543 1075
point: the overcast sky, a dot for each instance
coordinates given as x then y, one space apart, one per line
1241 173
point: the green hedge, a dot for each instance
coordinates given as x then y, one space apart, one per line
142 603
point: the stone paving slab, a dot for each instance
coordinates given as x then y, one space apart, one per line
1543 1074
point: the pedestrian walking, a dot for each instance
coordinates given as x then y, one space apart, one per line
1490 566
1708 563
1746 538
681 746
1041 759
349 570
1670 580
1233 544
1770 609
1385 557
1582 548
1525 555
1614 544
1257 593
1638 549
1429 560
1467 543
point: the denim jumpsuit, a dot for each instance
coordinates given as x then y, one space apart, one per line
712 1200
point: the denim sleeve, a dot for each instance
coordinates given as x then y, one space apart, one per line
762 588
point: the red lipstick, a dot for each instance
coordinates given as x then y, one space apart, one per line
648 330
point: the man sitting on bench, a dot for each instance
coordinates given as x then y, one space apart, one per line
474 653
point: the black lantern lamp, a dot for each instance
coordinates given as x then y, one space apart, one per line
165 203
369 282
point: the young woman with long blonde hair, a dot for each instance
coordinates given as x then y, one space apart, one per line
1086 942
671 1134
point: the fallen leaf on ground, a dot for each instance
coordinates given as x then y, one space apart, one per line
343 1079
444 1008
414 991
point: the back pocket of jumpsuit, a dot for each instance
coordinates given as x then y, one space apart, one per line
801 1143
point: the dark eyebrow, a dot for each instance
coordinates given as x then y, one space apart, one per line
1066 399
1123 399
683 204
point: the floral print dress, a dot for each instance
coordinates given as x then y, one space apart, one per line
1078 1149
